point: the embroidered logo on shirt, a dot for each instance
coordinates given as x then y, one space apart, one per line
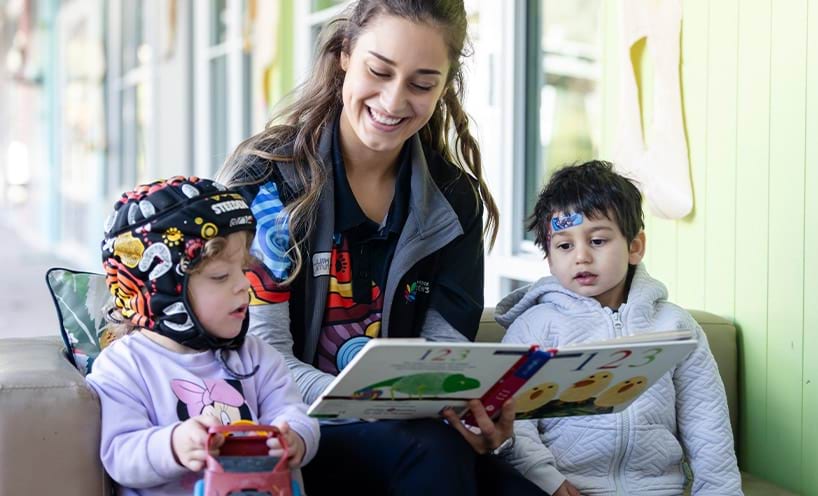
411 290
320 264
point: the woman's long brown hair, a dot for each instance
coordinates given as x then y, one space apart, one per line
318 99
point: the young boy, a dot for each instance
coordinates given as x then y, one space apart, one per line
588 221
175 254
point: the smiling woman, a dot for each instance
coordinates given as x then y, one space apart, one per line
386 101
359 193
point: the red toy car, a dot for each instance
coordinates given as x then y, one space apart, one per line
244 466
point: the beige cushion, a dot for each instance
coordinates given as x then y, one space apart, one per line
721 336
49 423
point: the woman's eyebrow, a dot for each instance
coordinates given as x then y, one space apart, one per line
392 63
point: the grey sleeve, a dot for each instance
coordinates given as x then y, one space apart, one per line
436 328
271 323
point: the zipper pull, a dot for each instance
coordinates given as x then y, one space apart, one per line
617 321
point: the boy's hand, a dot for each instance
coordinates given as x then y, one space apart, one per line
491 434
294 442
189 440
566 489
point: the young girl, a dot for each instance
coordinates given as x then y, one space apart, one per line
175 253
371 225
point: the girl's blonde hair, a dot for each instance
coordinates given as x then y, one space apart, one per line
319 99
213 248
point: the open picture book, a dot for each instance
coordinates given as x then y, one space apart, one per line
413 378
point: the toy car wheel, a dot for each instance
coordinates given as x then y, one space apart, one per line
198 489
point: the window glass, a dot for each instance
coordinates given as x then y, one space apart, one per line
229 73
133 94
134 49
218 27
563 101
132 157
218 111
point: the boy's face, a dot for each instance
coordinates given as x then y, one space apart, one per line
219 291
591 256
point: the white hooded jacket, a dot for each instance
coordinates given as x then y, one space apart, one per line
638 451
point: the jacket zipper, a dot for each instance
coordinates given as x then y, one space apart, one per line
619 477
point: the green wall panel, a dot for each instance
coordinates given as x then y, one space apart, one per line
609 89
662 245
719 216
691 244
747 251
810 385
786 238
751 231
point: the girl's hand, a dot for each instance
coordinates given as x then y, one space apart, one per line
566 489
490 434
294 442
189 441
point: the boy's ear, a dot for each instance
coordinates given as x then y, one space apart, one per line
636 251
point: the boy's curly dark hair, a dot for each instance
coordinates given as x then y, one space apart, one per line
592 189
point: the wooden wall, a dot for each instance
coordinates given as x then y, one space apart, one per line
749 250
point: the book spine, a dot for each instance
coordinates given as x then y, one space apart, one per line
511 382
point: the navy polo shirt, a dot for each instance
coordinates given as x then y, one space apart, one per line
371 244
359 264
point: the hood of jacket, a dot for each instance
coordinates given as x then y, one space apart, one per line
644 294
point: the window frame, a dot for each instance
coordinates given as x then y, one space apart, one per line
238 78
518 72
119 83
308 24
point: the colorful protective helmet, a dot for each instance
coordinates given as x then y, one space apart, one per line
154 236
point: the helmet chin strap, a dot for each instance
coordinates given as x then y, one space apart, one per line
220 355
203 340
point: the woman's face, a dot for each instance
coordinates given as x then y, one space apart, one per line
395 75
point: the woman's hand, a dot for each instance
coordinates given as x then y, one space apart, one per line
189 441
566 489
491 434
294 443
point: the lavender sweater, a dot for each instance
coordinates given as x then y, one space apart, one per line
145 391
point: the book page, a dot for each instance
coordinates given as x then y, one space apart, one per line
400 379
594 378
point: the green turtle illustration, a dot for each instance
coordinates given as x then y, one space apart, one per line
426 384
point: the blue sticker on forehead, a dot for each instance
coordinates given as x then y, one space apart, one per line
562 222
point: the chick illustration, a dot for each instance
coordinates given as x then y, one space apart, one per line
419 385
586 388
622 392
536 397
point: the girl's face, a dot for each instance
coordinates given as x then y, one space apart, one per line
219 292
395 75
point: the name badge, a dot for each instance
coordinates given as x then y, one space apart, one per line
320 264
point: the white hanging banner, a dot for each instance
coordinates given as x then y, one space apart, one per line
659 161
